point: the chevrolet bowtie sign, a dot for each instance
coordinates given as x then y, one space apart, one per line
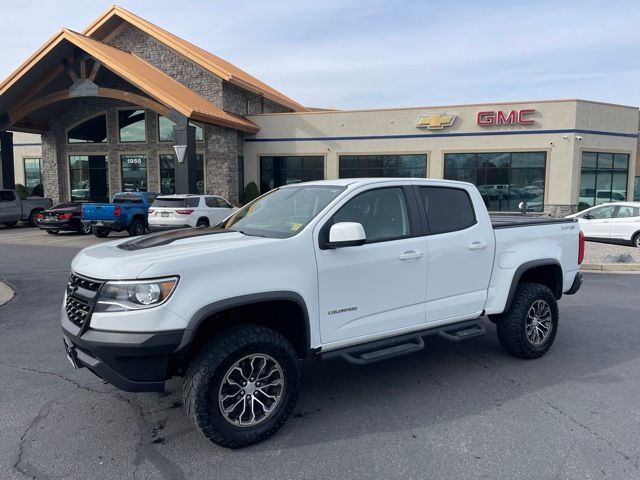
436 121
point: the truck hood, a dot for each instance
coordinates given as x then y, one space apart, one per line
129 258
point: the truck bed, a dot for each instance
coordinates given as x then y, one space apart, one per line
511 221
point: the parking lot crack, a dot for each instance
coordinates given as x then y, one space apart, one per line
557 410
145 449
54 374
20 466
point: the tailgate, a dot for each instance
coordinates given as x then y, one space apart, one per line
98 211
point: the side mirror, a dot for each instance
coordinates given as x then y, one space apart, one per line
346 234
588 216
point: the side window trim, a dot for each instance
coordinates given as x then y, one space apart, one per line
324 230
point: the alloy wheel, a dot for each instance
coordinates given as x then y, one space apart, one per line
538 325
251 390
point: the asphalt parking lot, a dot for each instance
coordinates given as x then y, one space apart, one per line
453 411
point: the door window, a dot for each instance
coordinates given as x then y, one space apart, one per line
212 202
7 196
448 209
627 212
382 213
602 212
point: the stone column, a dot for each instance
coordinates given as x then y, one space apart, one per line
186 179
7 174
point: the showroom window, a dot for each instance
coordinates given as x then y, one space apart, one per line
603 178
636 189
278 171
131 126
504 179
93 130
168 173
357 166
165 130
88 176
134 173
33 176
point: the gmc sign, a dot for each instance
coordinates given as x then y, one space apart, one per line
513 117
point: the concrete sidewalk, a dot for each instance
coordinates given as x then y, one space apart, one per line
6 293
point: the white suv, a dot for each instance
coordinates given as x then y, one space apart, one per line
180 211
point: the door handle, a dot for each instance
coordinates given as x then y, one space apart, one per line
410 255
477 245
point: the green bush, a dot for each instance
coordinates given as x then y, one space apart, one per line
37 191
22 191
251 192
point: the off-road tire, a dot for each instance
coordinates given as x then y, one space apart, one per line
101 232
10 224
511 324
208 368
136 228
202 223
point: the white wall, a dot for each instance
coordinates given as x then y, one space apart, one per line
563 154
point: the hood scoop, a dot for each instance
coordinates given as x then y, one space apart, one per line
157 240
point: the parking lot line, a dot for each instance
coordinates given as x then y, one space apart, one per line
34 234
69 239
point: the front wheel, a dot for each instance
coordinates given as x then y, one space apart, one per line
101 232
85 229
241 387
636 240
529 327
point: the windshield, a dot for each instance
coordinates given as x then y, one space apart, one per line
283 212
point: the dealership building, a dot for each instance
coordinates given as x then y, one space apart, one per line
126 105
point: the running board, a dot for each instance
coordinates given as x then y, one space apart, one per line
386 348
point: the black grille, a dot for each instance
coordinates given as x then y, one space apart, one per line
81 297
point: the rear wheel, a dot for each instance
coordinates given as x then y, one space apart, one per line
10 224
636 240
241 387
85 229
529 327
32 217
202 223
101 232
136 228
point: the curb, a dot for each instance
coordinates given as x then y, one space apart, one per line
6 293
611 267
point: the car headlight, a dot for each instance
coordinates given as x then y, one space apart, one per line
135 295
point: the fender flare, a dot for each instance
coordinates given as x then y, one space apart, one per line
207 311
525 267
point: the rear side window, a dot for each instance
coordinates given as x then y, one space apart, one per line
448 209
212 202
626 212
7 196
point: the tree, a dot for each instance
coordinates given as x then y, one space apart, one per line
251 192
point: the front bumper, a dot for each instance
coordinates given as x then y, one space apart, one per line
112 224
577 283
133 362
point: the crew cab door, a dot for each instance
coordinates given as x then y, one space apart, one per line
460 246
596 222
380 286
10 207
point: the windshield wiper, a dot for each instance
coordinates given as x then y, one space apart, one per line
250 234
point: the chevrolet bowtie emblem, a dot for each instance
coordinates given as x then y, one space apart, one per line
436 121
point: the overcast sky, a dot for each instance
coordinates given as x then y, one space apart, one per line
370 53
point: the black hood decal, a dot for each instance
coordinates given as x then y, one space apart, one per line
165 238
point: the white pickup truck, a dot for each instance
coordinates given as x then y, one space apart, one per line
361 269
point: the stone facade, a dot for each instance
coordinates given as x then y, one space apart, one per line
221 148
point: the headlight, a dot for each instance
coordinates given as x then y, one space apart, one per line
134 295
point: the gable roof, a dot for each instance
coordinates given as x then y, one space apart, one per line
105 24
139 73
